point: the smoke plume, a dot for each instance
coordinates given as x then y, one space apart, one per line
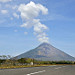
29 13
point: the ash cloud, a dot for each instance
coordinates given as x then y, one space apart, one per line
29 12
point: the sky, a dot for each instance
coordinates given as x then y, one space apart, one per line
25 24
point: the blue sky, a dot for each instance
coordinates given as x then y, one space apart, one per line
60 23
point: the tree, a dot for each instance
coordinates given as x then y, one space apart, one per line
4 56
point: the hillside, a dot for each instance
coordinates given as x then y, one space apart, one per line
46 52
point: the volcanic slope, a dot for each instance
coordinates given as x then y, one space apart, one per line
46 52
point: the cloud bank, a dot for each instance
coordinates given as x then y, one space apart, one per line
15 15
4 11
29 14
3 1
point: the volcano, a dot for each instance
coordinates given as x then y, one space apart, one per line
46 52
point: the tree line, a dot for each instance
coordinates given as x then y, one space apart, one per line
7 60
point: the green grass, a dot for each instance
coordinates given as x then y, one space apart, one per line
25 66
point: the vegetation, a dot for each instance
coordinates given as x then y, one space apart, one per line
7 62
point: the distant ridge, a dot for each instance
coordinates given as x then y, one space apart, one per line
46 52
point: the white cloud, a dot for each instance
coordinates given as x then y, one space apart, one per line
29 13
16 15
25 33
31 10
38 27
42 37
4 11
15 6
11 18
5 1
7 5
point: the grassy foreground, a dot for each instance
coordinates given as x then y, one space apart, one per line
26 66
21 66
